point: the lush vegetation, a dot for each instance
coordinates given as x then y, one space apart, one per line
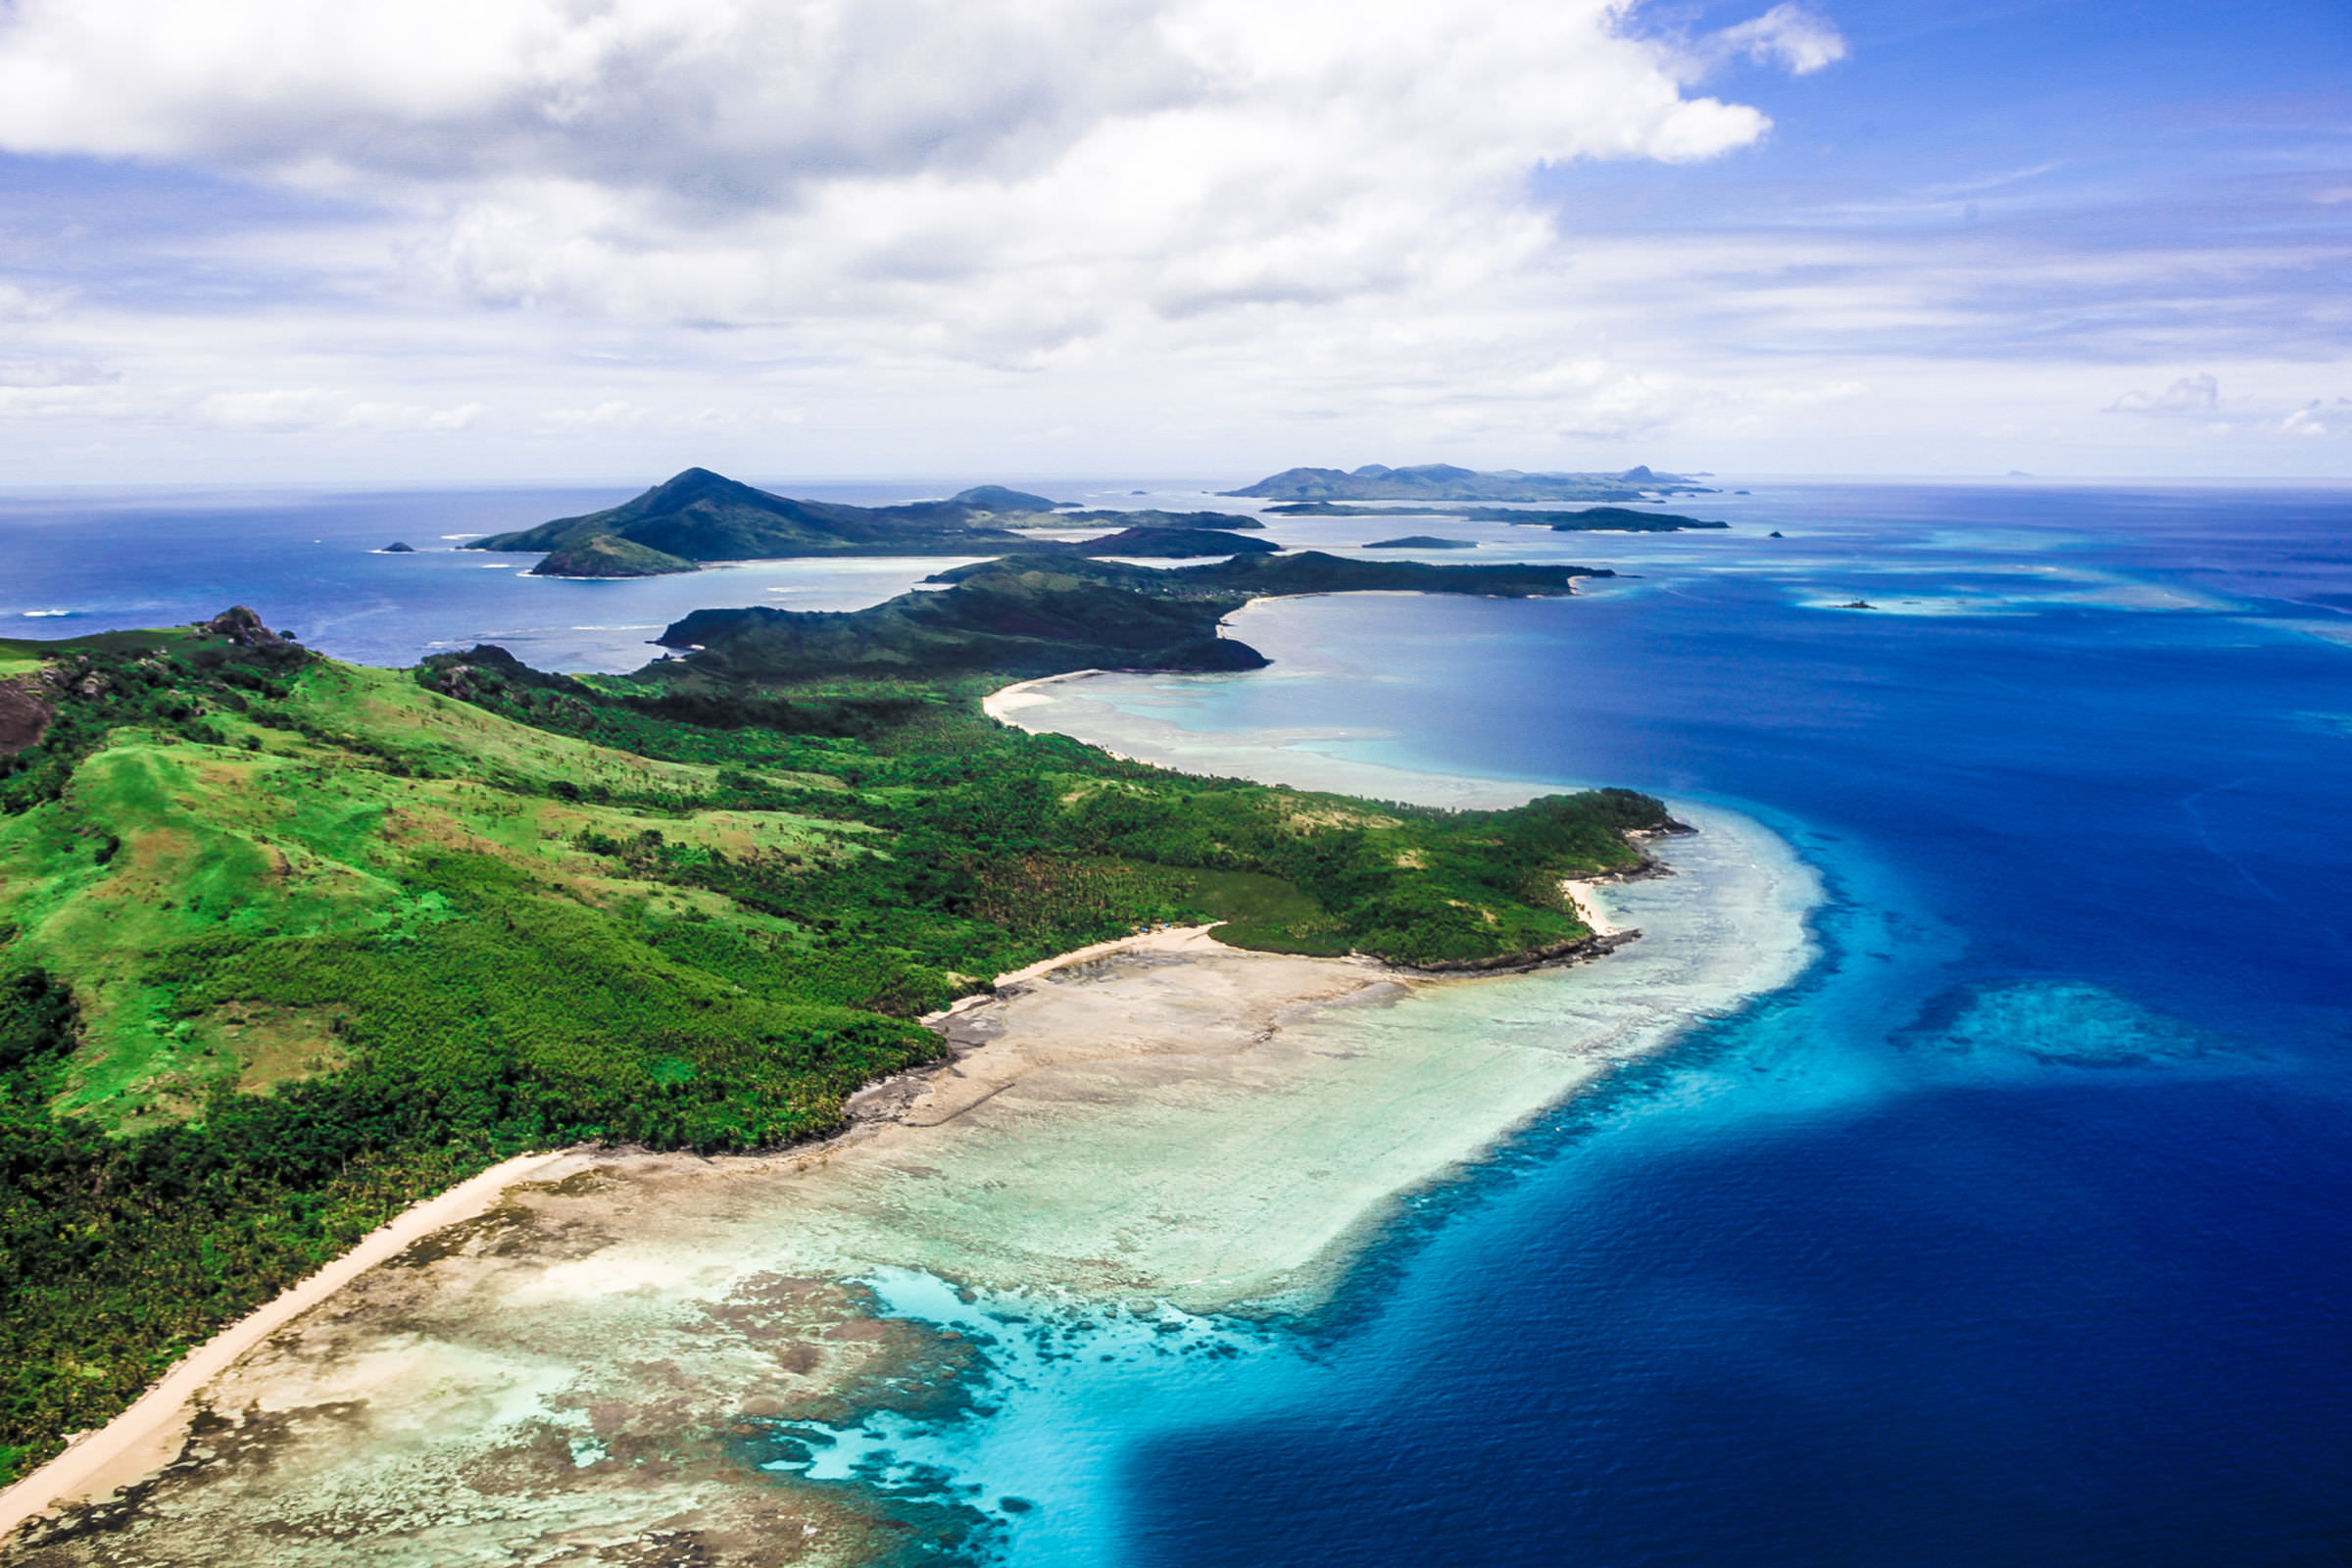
286 944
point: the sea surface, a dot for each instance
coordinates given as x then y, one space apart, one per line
2017 1231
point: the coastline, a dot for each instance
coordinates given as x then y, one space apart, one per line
1158 1118
148 1433
145 1435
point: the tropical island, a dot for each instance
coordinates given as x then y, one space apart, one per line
698 516
1441 481
291 944
1585 520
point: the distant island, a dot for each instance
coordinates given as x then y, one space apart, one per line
1022 617
1422 541
1439 481
1587 520
699 516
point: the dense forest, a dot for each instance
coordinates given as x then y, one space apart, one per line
286 944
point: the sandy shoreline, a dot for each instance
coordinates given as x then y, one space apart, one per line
146 1436
149 1433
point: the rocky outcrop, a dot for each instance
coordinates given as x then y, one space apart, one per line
24 716
242 627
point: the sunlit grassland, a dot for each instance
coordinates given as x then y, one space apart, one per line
166 855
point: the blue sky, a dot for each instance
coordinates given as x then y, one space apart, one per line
482 240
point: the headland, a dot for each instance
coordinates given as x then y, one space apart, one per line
1165 1124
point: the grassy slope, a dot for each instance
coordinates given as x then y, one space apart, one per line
230 862
289 945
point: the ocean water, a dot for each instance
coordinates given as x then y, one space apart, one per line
2017 1230
312 564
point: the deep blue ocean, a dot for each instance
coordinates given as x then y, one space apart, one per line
2021 1231
2017 1232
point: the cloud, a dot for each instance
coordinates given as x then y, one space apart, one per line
614 415
24 305
316 409
1790 36
2319 417
2192 394
50 373
408 416
990 181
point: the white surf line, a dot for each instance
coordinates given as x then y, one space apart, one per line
143 1439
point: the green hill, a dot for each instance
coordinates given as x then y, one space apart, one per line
699 515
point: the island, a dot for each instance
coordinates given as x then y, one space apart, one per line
287 944
1018 618
699 516
1138 517
1422 541
1585 520
996 498
1439 481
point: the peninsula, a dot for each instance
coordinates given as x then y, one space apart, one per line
287 945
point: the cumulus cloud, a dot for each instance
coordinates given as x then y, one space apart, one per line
615 413
25 305
315 409
2319 417
994 181
1792 36
2192 394
378 416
